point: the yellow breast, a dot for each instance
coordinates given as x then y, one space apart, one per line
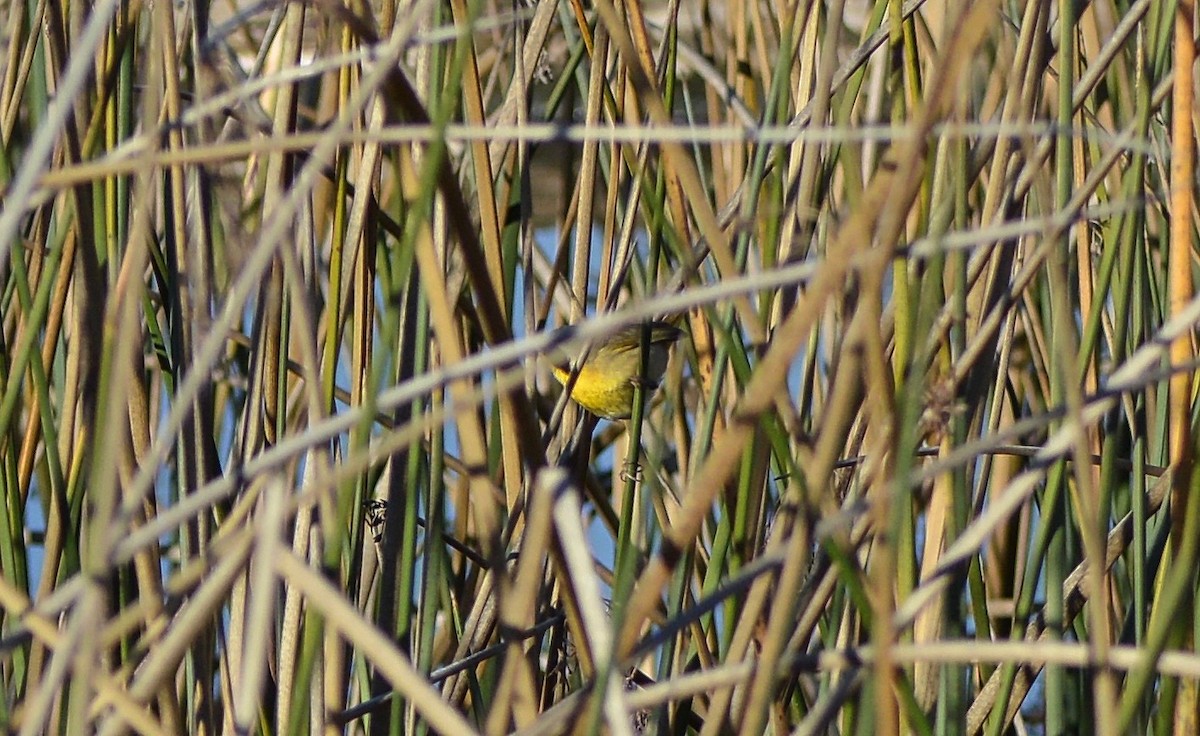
601 393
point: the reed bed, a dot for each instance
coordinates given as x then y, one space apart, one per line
281 284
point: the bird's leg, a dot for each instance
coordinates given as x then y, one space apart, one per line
376 516
632 471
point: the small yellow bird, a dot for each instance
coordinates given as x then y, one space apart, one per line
609 374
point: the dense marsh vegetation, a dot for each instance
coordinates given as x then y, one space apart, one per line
281 283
